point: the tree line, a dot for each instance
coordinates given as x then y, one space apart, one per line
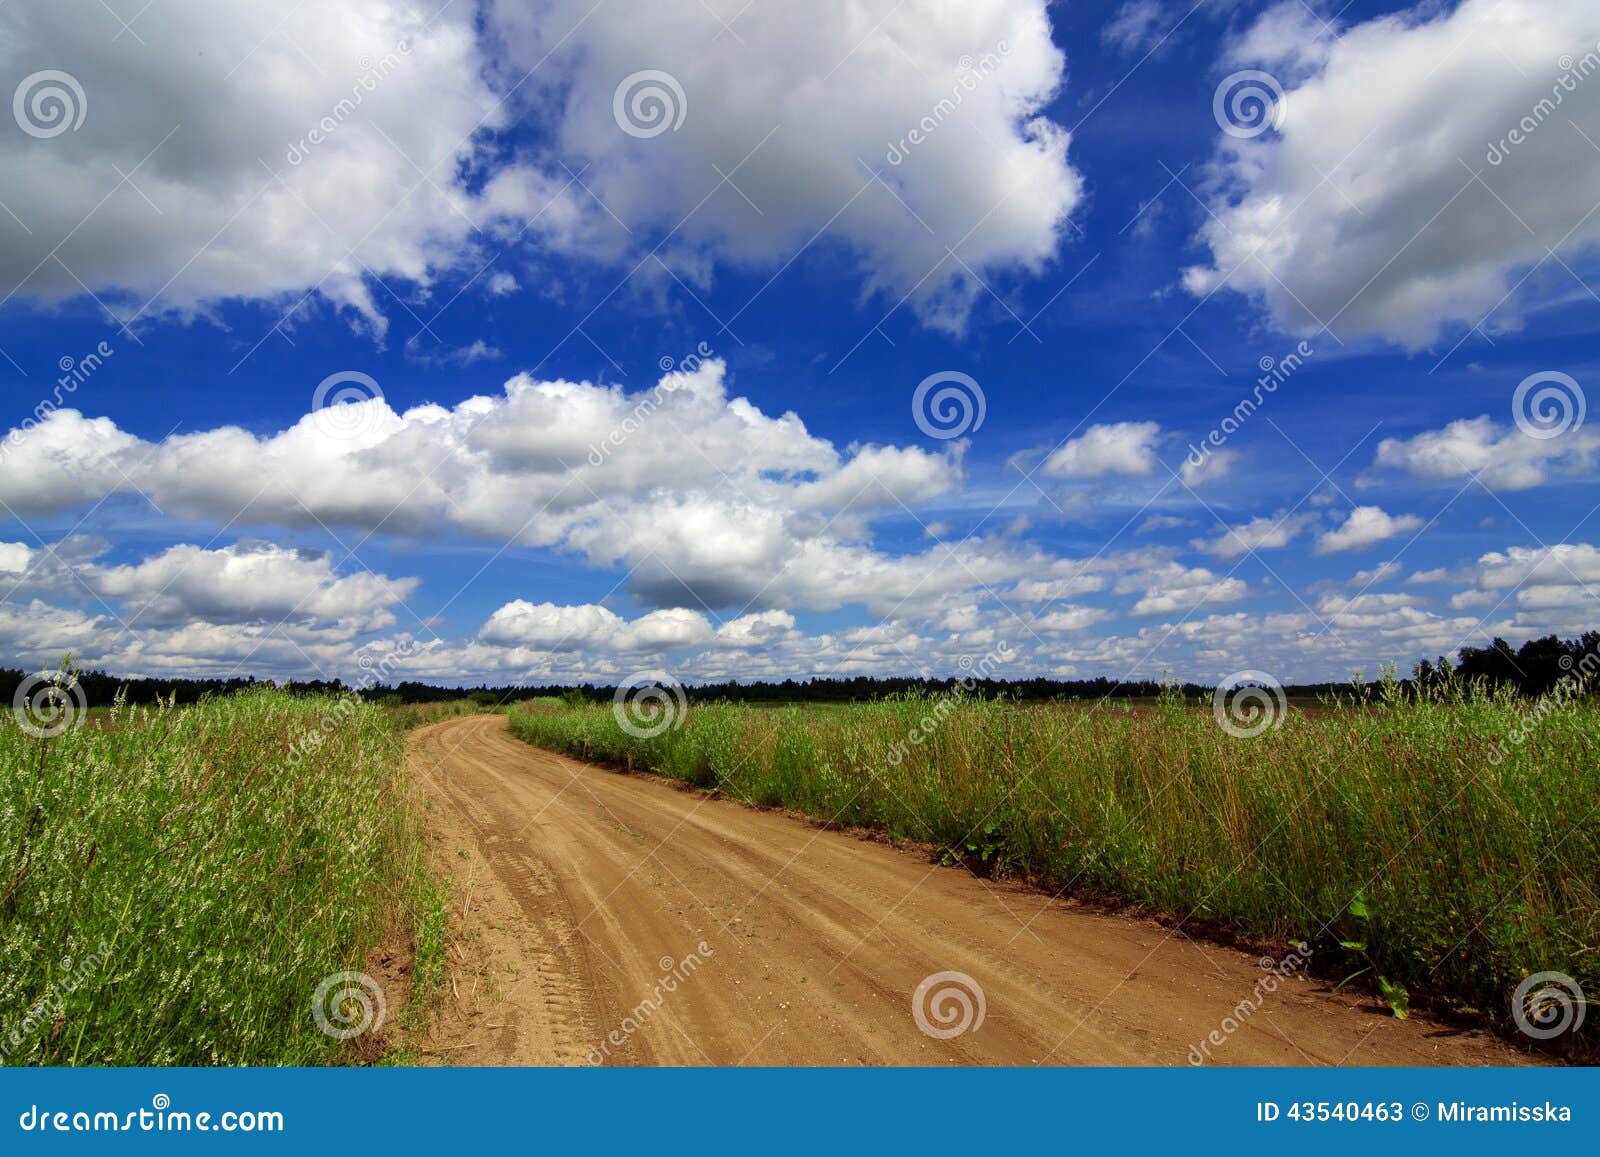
1532 669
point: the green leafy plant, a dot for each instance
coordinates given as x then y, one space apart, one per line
1390 992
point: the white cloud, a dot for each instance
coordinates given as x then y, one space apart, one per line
1365 526
1174 588
1425 577
762 629
249 583
1217 464
1383 572
1549 588
1290 36
1115 448
1564 564
316 150
1269 532
704 498
798 106
1363 213
54 464
211 207
14 557
1502 457
548 627
1067 618
1136 27
1048 590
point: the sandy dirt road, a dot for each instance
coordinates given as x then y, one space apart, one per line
580 889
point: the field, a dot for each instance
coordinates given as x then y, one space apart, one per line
1439 850
176 883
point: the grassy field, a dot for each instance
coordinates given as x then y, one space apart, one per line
175 883
1415 840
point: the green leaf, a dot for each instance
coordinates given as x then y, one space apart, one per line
1354 945
1399 999
1351 977
1359 908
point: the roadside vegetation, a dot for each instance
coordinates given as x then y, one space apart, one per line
1437 841
176 882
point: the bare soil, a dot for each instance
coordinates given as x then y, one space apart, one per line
578 891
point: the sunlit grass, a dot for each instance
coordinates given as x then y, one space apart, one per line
1479 864
174 882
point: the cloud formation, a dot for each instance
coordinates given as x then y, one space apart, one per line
364 153
1425 160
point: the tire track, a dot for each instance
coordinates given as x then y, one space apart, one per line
809 943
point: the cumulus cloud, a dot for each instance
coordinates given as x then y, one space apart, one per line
321 152
14 557
1383 572
547 627
1424 577
799 109
246 583
1209 468
707 500
1114 448
1365 526
1362 212
1269 532
1502 457
1177 589
243 583
192 179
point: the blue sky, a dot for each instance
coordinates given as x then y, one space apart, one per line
1110 250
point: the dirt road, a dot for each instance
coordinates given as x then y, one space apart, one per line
619 919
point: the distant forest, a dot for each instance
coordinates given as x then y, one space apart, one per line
1533 669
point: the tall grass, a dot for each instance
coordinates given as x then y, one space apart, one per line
175 882
1476 858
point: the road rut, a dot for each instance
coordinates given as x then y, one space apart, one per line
620 919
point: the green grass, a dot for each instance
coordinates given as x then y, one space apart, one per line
175 882
1472 873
